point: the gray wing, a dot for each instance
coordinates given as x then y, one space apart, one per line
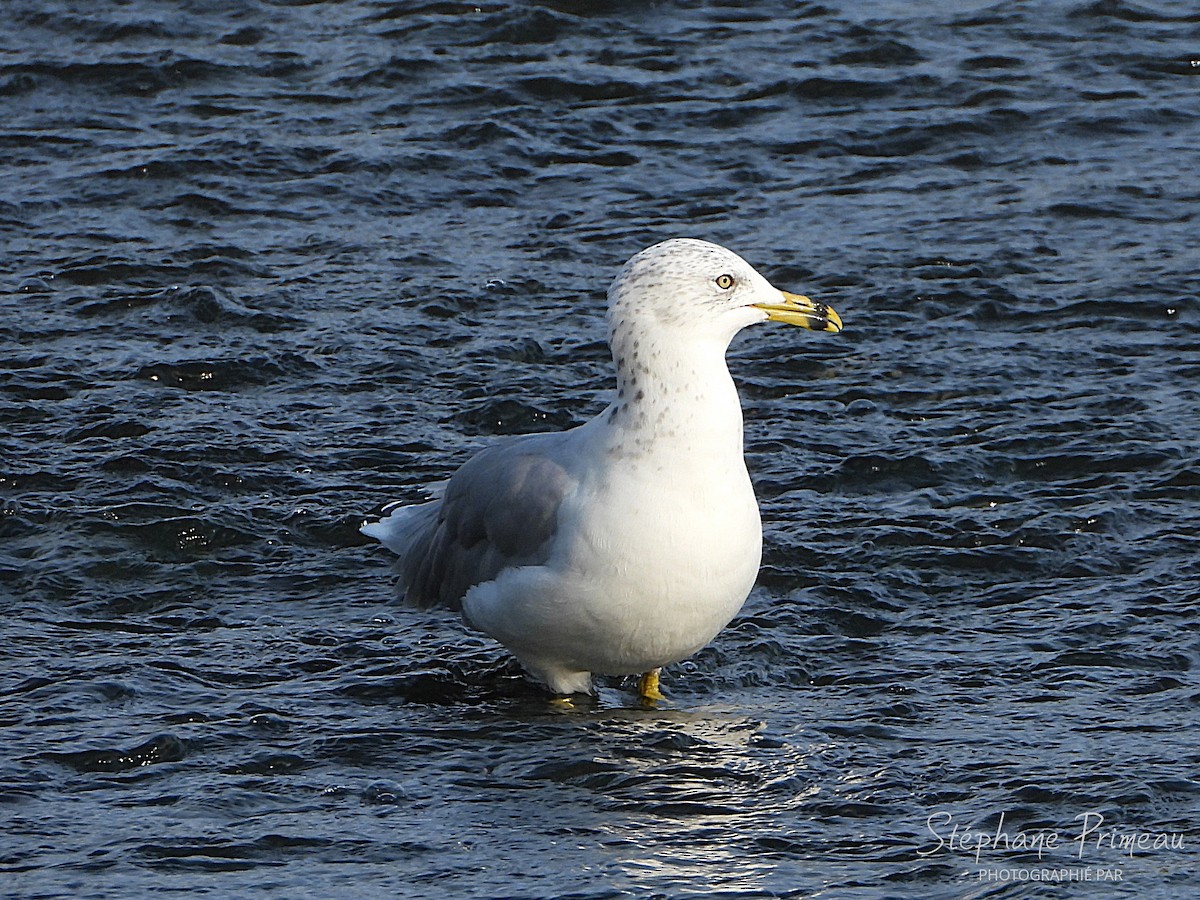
500 510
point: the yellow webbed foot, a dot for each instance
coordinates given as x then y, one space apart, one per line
648 687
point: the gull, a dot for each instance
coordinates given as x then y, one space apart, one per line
626 543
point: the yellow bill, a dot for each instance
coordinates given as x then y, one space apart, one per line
796 309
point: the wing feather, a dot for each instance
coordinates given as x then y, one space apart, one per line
500 510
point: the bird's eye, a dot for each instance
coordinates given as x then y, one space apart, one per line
724 282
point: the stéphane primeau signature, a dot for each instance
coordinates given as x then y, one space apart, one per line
1090 836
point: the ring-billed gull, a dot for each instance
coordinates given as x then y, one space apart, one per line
628 542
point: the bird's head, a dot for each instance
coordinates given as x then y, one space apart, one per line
693 286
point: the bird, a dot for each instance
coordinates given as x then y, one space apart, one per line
626 543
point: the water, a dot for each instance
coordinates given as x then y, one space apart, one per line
268 264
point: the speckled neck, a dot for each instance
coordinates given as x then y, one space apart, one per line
674 389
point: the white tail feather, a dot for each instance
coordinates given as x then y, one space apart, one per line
402 526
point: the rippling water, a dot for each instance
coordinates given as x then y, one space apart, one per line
268 264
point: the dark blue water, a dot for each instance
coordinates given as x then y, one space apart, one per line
267 264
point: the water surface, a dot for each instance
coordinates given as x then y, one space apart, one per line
268 264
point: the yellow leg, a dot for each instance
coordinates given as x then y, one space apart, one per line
648 686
